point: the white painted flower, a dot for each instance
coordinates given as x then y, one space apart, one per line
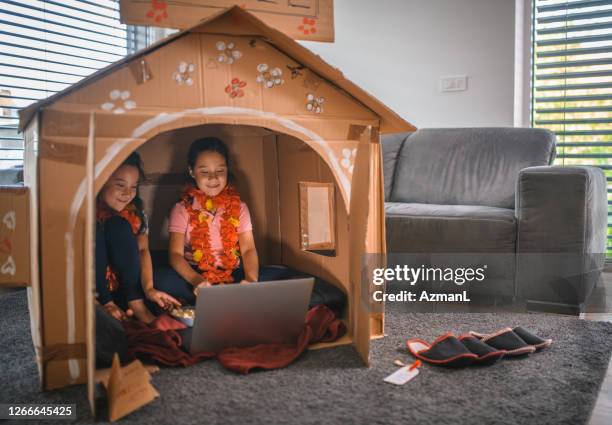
269 77
227 52
9 266
120 102
348 159
9 220
184 74
314 104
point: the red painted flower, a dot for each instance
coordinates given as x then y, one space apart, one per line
308 26
234 89
158 10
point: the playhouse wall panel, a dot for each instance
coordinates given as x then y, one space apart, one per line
229 84
62 271
285 93
118 89
298 162
336 268
179 74
358 222
375 237
14 236
166 78
248 81
30 179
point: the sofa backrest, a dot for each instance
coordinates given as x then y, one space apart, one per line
464 166
391 145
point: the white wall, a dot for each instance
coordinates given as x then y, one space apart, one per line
398 50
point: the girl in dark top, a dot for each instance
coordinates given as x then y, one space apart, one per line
124 272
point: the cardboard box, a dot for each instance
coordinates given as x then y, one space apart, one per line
287 116
300 19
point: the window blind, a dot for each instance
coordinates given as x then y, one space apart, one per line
47 45
572 82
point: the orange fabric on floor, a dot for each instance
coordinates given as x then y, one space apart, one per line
161 343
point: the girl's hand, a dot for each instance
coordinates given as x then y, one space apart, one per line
162 299
245 282
202 284
112 309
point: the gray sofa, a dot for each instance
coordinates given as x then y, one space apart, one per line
457 193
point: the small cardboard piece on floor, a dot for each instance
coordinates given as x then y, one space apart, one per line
102 375
128 389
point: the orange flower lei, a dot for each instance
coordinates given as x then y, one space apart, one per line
229 201
130 213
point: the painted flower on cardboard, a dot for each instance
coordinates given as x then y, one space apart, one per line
119 102
7 246
308 26
314 104
348 159
9 220
234 89
9 266
227 52
158 10
270 77
183 75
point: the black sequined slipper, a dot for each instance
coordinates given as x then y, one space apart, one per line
446 350
486 354
532 339
506 339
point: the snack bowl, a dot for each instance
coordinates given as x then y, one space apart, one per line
184 315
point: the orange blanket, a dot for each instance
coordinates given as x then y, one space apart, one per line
161 343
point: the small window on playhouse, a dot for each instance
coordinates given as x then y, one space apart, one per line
317 217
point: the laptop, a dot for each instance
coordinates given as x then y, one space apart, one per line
250 314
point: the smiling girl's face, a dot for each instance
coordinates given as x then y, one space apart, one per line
121 187
210 172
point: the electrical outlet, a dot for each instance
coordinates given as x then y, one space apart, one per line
453 83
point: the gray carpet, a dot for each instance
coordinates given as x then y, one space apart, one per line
556 386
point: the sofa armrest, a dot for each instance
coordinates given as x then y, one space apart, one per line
561 209
562 217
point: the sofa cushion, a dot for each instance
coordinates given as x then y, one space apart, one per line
468 166
432 228
391 145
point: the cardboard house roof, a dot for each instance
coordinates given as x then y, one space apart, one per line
390 122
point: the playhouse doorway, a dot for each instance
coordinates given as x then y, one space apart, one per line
268 167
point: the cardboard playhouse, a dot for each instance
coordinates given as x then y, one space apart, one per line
304 142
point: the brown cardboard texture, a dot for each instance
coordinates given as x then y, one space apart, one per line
317 216
299 19
14 236
282 128
128 388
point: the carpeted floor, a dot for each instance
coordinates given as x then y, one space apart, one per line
556 386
